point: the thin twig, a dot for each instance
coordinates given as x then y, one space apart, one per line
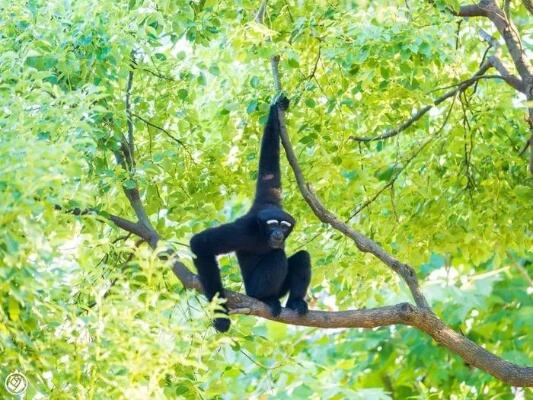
158 74
407 162
166 132
526 145
478 78
313 72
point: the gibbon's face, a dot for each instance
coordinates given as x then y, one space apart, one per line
276 226
277 231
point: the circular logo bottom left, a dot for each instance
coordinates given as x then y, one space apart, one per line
16 383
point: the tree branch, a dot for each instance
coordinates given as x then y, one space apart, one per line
512 80
461 87
512 39
125 158
165 131
491 10
158 74
528 5
403 313
472 10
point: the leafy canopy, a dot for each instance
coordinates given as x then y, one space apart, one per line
86 313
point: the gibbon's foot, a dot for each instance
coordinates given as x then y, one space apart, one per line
274 305
221 324
298 305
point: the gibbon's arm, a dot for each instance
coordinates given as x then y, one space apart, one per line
268 189
207 244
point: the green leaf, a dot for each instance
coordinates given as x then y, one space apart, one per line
41 63
252 106
183 94
13 308
387 173
214 70
310 103
129 184
254 82
293 63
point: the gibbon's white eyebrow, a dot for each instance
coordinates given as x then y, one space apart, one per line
286 223
272 221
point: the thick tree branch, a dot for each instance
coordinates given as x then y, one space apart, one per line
512 80
129 226
491 10
472 10
242 304
403 313
143 231
511 37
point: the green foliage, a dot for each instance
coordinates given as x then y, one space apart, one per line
86 313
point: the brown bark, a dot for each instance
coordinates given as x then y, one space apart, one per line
403 314
506 27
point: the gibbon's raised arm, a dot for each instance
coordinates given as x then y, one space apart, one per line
268 189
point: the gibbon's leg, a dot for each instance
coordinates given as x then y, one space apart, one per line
264 280
298 279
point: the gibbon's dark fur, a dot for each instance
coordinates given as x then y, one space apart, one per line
258 239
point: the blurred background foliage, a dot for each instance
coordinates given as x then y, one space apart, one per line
86 312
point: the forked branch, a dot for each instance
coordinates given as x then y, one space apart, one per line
522 63
457 88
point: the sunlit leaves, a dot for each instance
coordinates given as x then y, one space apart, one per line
87 312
